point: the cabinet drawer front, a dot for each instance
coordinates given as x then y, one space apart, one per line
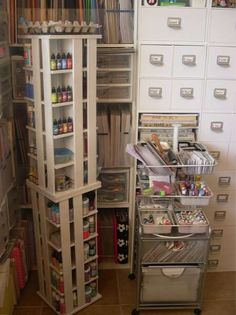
216 127
187 95
225 33
172 24
222 201
232 156
219 151
189 61
221 62
181 284
222 180
233 133
221 217
220 96
155 94
155 61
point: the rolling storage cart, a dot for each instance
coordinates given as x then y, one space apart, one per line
172 230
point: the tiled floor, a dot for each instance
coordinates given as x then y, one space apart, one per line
119 296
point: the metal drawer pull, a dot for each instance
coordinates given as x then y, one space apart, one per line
217 126
189 60
217 233
222 198
215 248
155 92
215 154
220 93
174 22
223 60
186 92
220 215
224 180
156 59
213 262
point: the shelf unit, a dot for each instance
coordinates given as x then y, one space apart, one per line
60 184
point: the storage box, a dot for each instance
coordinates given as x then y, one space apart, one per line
194 200
197 3
155 222
62 155
193 221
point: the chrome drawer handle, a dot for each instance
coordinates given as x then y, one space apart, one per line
155 92
217 126
220 93
215 154
220 215
189 60
224 180
174 22
222 198
223 60
215 248
156 59
213 262
186 92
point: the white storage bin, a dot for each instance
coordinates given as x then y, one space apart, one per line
194 200
188 221
158 225
170 284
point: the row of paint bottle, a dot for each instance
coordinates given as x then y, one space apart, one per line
62 125
61 94
57 281
58 303
61 61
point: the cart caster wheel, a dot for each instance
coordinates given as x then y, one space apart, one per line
131 276
135 312
197 311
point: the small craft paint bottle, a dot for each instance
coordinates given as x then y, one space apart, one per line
65 128
59 95
64 94
69 124
54 95
62 306
59 62
63 61
69 61
53 62
69 93
60 126
55 127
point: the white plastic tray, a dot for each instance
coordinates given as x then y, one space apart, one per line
155 228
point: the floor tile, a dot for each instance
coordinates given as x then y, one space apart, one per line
108 288
126 287
127 310
211 307
47 311
103 310
27 311
220 286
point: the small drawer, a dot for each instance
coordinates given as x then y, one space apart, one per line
186 95
113 61
172 24
113 77
222 180
114 93
223 201
222 217
181 284
114 187
219 34
221 62
215 248
233 133
216 127
155 94
217 233
155 61
232 156
189 61
220 96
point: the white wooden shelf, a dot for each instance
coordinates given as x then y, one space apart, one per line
92 258
32 156
31 128
114 85
63 165
64 135
93 235
29 99
61 71
57 105
114 69
91 212
91 280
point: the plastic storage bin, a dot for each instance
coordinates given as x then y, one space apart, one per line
62 155
194 200
193 221
154 222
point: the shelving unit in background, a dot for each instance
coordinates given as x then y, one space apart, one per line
63 187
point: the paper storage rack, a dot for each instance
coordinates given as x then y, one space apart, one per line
62 111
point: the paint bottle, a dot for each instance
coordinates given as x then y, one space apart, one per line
64 124
69 93
85 229
54 95
88 292
57 303
64 94
91 224
75 299
93 269
92 248
63 61
59 95
85 205
59 62
62 306
69 61
69 124
55 127
61 284
87 273
60 126
93 287
86 251
53 63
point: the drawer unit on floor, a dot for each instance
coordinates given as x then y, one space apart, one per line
227 33
216 127
221 63
189 62
220 96
173 24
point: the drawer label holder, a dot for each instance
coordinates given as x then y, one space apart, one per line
186 92
220 93
156 59
223 61
174 22
155 92
189 60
